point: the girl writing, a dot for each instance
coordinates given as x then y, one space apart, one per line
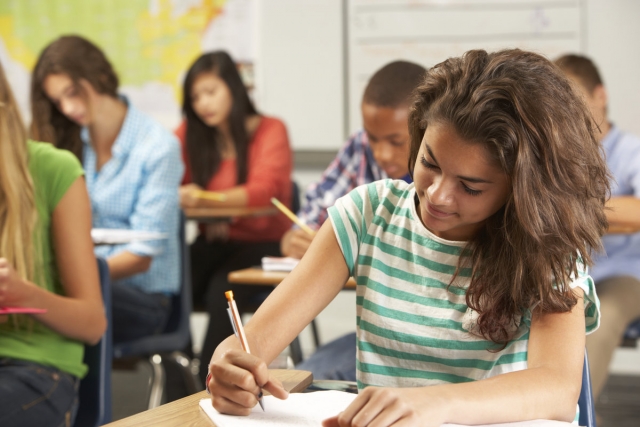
473 299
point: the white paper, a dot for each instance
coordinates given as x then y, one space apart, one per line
299 409
279 263
114 236
534 423
310 409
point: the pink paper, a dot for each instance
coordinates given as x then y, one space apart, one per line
21 310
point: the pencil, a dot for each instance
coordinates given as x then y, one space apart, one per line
236 322
285 210
210 195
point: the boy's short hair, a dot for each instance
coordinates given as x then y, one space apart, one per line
582 68
392 85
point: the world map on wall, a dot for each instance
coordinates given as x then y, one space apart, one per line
150 43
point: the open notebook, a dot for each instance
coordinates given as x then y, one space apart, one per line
112 236
309 409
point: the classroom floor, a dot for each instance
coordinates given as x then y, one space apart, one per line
619 405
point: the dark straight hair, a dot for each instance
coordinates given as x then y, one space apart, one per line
203 148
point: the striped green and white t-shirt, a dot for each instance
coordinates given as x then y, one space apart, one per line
413 329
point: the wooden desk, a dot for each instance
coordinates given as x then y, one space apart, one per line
257 276
216 214
186 412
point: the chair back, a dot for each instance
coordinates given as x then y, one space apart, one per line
585 401
176 335
295 197
632 334
95 388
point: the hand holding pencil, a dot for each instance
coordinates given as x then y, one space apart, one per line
285 210
191 196
231 392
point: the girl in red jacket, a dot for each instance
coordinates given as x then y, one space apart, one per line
230 148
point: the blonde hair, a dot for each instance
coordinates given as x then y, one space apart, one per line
18 214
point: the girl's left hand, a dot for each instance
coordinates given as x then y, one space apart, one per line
14 292
378 406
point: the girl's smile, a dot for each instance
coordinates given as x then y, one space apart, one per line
436 212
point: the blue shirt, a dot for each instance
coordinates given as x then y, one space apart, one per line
353 166
137 189
622 151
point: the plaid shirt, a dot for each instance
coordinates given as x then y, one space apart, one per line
353 166
137 189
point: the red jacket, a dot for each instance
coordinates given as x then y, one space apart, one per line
269 166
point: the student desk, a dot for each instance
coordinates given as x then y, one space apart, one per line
257 276
219 214
186 412
623 229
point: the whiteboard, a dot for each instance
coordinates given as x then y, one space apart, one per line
300 71
429 31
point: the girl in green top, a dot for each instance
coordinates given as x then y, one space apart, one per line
46 262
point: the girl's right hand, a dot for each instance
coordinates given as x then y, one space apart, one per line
295 243
188 198
237 379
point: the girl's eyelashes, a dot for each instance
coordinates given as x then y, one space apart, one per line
467 190
428 165
471 191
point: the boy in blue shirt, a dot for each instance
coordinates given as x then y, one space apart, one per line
616 273
379 150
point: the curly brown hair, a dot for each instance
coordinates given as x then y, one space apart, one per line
523 110
79 59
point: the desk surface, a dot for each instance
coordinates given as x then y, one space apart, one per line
204 214
622 229
257 276
186 412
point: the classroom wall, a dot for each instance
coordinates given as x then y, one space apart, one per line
613 36
302 77
301 55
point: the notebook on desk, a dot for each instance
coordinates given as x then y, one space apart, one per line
270 263
299 409
112 236
310 409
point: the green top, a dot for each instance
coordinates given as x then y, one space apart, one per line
53 171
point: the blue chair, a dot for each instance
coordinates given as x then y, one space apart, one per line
172 341
95 388
585 401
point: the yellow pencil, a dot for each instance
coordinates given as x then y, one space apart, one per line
285 210
210 195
